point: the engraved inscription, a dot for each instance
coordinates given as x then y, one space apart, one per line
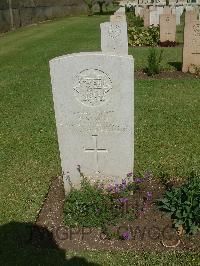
114 31
92 87
196 29
90 122
196 39
167 19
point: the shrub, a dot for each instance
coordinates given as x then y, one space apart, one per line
183 204
134 21
154 62
95 206
140 36
194 69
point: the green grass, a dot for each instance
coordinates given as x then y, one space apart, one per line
172 57
166 128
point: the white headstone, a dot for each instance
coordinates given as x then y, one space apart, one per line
159 9
121 11
117 18
93 97
176 12
138 10
114 38
189 8
154 17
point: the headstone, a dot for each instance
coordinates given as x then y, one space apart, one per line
114 38
189 16
154 18
159 9
191 49
180 9
167 28
167 10
176 12
117 18
172 2
93 97
138 10
189 8
146 17
121 11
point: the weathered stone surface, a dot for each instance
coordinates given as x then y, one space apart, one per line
121 11
167 10
93 99
177 12
146 17
154 17
167 28
114 37
189 16
117 18
191 49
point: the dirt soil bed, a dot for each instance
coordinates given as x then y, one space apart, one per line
151 231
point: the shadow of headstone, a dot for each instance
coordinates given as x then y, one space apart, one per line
176 65
28 244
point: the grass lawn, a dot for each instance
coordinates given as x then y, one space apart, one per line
167 119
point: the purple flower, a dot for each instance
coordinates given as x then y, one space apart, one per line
129 174
116 188
123 186
123 181
149 195
139 180
126 235
123 200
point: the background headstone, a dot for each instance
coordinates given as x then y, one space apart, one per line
114 38
189 16
167 28
146 17
154 17
177 13
167 10
191 49
117 18
93 97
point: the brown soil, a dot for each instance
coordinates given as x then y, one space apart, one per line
151 231
165 75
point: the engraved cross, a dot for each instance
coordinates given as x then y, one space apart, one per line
96 152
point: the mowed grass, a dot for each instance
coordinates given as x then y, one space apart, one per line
167 127
166 130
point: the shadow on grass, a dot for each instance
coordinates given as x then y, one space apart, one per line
105 13
28 244
176 65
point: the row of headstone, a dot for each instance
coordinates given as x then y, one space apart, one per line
152 15
93 97
186 3
168 18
